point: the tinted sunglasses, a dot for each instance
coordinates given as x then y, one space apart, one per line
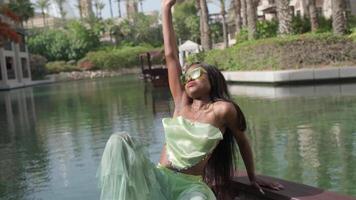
193 74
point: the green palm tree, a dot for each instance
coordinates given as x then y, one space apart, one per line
43 5
23 8
99 6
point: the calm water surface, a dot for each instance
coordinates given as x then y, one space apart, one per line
52 137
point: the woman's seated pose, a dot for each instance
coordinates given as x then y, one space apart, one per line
199 156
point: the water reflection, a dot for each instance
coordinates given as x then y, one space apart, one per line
304 136
52 137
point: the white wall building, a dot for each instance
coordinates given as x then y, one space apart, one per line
267 8
14 63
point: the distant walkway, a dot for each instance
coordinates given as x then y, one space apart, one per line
292 76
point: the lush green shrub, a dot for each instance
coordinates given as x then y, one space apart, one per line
60 66
267 29
118 58
186 21
140 29
198 57
242 36
290 52
300 24
63 44
216 30
82 40
37 65
353 34
325 25
351 23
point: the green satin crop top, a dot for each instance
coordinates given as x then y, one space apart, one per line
187 142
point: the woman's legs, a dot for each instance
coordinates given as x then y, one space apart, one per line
197 192
125 172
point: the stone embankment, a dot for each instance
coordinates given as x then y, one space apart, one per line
79 75
312 75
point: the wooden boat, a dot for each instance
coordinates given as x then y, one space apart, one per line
157 74
242 190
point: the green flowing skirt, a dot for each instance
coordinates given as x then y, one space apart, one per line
126 173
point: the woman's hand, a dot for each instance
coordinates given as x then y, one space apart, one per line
259 183
168 3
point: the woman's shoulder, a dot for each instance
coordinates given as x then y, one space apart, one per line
224 109
223 106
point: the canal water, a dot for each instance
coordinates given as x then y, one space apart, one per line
52 136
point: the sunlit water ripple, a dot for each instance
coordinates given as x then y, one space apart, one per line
52 136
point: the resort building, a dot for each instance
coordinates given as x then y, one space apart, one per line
38 21
14 61
267 8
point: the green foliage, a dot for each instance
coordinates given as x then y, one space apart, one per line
300 25
308 50
60 66
351 22
325 25
52 44
70 43
140 29
116 58
197 57
267 29
353 34
81 39
97 26
23 8
242 36
216 30
186 21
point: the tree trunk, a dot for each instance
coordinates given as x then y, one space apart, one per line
237 12
244 12
80 9
305 5
223 15
251 19
111 13
141 6
119 7
284 17
204 29
44 18
313 16
339 16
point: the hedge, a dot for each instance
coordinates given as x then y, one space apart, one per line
290 52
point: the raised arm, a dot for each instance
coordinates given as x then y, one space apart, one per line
171 53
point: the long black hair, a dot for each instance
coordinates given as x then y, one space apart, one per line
222 163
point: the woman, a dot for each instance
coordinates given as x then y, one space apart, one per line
198 160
